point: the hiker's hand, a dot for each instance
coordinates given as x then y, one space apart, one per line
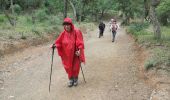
53 46
78 53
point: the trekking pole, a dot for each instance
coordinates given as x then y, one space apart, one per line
51 66
82 70
82 73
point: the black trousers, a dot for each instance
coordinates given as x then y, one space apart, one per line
101 33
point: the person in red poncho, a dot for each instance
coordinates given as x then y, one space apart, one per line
70 47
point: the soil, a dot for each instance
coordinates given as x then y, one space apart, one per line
113 71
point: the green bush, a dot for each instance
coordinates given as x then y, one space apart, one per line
55 20
159 59
165 33
17 8
2 18
138 28
163 11
29 20
41 15
150 64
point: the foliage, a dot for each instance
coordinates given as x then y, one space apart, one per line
28 4
137 28
164 12
55 20
130 9
54 6
159 59
93 10
159 49
2 18
17 8
26 29
150 64
41 14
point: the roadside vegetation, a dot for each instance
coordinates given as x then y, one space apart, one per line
159 57
144 34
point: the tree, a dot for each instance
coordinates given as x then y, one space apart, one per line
104 6
65 8
154 19
164 11
128 9
74 10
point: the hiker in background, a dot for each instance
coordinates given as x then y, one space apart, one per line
114 27
70 46
101 29
110 23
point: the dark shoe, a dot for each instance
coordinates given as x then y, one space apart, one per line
70 83
75 81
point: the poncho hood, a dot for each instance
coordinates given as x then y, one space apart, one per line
69 20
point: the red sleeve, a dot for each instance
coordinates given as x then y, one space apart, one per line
80 44
58 44
79 40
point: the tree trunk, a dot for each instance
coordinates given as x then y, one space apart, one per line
12 7
146 8
65 8
154 20
11 21
74 10
102 15
82 10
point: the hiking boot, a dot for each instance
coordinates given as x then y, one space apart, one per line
70 83
75 81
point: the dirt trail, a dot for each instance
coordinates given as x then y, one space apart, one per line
111 72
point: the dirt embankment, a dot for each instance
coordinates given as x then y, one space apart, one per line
158 79
14 45
9 46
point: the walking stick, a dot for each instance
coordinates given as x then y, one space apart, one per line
82 71
51 66
80 62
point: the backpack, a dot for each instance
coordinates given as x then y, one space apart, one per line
114 27
102 26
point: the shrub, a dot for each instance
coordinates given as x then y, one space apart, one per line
159 59
17 8
150 64
55 20
41 14
2 18
137 28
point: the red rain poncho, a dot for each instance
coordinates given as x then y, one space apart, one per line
67 43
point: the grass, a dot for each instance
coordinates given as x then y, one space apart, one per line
159 57
26 29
